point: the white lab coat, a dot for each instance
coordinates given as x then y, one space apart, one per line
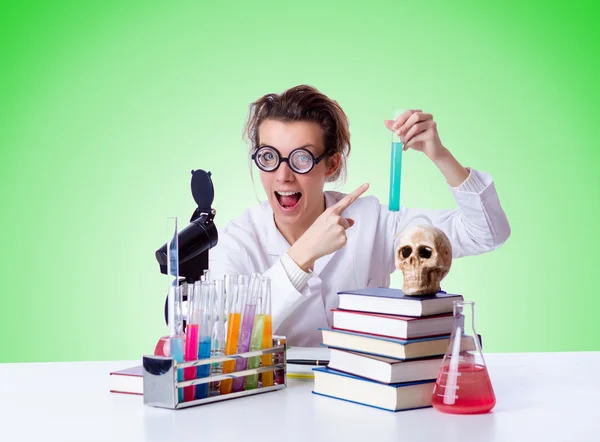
252 243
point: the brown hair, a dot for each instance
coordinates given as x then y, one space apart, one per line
303 103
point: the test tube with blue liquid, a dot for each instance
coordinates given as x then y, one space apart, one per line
204 338
175 299
395 169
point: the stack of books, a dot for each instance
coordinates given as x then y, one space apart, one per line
386 348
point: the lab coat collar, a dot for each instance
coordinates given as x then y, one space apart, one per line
277 245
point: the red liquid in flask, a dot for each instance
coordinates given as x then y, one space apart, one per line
473 392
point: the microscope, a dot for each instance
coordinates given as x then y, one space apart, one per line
196 239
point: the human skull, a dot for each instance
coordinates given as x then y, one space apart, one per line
424 256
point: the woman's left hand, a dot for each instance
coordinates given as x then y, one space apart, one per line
418 131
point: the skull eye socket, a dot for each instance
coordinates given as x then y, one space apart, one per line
405 251
425 252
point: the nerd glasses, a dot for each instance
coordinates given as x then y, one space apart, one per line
300 160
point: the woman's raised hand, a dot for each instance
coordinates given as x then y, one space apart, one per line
418 131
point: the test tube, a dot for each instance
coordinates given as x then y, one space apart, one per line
175 299
256 340
217 348
246 330
204 338
236 301
229 282
191 340
395 169
267 360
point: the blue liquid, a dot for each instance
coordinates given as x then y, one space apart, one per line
177 355
203 370
395 176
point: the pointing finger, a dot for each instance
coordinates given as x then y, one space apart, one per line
342 204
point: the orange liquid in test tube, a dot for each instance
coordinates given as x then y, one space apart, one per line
233 331
266 360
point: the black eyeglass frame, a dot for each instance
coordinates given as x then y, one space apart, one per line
315 161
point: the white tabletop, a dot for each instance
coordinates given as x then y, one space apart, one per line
540 396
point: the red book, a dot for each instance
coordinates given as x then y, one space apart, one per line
127 381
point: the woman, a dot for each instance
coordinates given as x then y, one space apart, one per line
313 243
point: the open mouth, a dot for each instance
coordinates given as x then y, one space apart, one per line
288 200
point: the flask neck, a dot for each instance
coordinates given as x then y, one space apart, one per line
464 317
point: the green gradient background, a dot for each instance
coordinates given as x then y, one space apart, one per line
105 108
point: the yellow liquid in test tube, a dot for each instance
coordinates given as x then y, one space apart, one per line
266 360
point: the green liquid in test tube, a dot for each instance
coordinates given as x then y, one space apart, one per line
395 170
256 340
263 309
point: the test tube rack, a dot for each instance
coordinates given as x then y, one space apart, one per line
161 384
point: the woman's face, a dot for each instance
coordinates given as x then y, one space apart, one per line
306 201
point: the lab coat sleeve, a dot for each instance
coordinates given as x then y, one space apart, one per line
231 256
476 226
285 298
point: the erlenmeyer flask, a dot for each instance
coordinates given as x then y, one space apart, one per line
463 385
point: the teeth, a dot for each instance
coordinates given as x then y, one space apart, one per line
286 193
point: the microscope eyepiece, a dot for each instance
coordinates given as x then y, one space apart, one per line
199 236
